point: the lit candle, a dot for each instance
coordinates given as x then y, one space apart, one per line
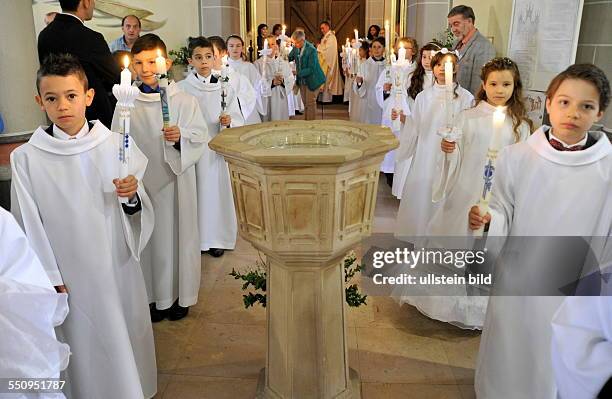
401 54
448 82
265 44
495 143
356 34
126 75
499 116
348 43
284 30
448 74
160 63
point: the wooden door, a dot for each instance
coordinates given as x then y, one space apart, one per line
344 15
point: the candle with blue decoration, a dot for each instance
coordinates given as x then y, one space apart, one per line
162 80
126 94
499 116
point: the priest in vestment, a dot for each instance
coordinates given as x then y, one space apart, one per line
329 50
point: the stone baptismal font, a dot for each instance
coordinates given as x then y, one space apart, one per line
305 193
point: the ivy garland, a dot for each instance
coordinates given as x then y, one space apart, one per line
256 278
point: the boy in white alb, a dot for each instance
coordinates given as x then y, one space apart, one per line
65 195
557 183
217 217
171 263
278 75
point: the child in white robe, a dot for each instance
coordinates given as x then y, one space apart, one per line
249 101
357 104
172 261
235 51
346 60
421 79
66 192
216 213
557 183
392 97
366 81
30 308
462 181
296 105
420 139
281 80
582 347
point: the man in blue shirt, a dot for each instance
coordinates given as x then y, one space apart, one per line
130 25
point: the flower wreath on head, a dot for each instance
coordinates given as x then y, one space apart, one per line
445 51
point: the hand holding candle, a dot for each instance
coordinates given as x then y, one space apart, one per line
495 143
126 94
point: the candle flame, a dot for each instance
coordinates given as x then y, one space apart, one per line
284 26
401 45
126 61
159 53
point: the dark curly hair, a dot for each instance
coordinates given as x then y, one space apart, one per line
418 76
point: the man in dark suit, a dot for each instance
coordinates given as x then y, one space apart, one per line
68 34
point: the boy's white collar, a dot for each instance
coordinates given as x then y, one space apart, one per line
60 134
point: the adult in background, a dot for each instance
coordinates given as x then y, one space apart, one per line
262 33
373 33
68 34
309 75
130 25
329 51
474 49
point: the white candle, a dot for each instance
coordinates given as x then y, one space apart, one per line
401 54
160 63
495 143
356 34
499 116
448 74
348 43
448 81
284 30
387 34
265 44
126 75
